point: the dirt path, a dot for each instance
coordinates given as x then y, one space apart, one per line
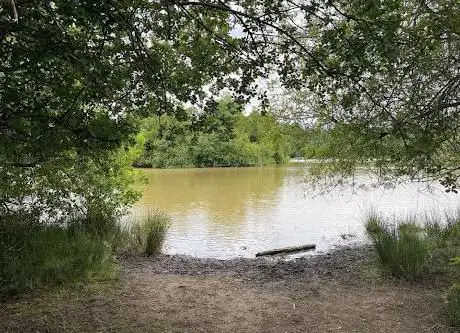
167 295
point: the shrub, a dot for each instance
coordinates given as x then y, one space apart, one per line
453 305
401 246
33 254
149 234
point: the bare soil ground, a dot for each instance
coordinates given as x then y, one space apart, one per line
339 292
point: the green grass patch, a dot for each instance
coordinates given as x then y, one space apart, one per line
33 255
414 247
444 233
401 245
149 234
411 247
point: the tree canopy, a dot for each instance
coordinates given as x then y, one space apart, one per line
75 76
383 75
388 85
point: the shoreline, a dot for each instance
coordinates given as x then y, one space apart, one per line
354 265
146 166
339 264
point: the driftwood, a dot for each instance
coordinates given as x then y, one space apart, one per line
291 249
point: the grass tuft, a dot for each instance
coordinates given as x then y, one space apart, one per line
401 245
410 248
149 234
35 254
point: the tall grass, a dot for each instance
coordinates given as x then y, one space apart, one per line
32 255
444 231
453 305
149 233
411 247
401 245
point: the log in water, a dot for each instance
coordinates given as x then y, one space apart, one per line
291 249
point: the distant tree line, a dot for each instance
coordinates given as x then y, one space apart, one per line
220 137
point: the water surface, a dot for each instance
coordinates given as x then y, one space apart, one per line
232 212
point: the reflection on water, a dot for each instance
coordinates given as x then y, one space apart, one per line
224 194
230 212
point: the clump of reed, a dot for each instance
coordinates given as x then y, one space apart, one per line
148 234
401 245
412 247
35 254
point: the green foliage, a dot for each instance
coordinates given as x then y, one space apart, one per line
33 255
453 305
412 134
384 75
75 78
402 248
325 144
412 247
149 233
71 185
453 295
221 136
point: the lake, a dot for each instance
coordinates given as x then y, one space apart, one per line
237 212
